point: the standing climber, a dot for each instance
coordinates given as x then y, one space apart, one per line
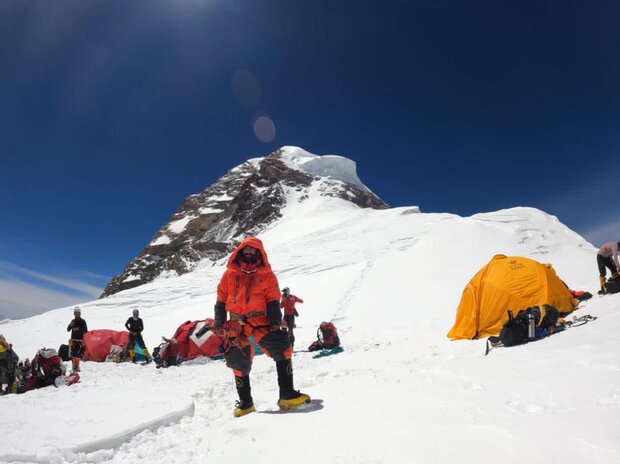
290 312
135 326
249 293
78 328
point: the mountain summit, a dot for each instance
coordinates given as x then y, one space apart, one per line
244 201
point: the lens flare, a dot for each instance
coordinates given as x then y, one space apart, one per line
264 128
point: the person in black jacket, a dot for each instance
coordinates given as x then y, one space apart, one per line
135 326
78 328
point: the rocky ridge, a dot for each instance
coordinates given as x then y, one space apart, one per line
249 197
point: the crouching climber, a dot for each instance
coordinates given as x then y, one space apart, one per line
607 258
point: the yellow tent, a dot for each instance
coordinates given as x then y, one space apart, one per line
507 282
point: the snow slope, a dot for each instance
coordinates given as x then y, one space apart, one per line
401 392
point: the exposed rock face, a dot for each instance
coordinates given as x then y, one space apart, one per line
243 202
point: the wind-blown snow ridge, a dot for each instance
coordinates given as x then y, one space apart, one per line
334 166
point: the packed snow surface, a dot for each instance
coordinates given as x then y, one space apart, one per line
401 392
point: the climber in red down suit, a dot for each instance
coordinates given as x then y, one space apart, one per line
290 312
249 293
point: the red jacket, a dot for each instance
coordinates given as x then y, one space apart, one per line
249 288
288 303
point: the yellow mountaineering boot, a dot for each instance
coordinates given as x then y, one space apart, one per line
243 409
601 279
245 405
293 403
289 397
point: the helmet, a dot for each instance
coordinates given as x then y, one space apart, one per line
286 291
135 313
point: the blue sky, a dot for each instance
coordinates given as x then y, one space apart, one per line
112 112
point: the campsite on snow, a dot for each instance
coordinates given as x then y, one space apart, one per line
413 295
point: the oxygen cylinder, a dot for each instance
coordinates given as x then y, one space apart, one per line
531 326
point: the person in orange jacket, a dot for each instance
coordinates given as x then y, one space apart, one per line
288 304
249 293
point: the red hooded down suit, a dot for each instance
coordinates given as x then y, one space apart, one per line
249 292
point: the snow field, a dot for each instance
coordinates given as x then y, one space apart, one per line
401 392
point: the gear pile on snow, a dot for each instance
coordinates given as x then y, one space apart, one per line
526 321
191 340
327 337
529 324
41 372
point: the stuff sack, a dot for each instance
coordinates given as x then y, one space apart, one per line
327 337
580 295
529 324
63 352
115 354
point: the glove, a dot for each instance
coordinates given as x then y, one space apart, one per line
296 313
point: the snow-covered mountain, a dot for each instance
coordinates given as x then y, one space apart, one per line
245 201
401 392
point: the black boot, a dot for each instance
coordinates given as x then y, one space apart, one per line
289 397
285 379
245 405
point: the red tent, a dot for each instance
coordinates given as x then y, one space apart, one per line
97 343
189 346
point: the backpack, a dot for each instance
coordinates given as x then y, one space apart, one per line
515 330
49 363
612 286
166 354
327 337
44 368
